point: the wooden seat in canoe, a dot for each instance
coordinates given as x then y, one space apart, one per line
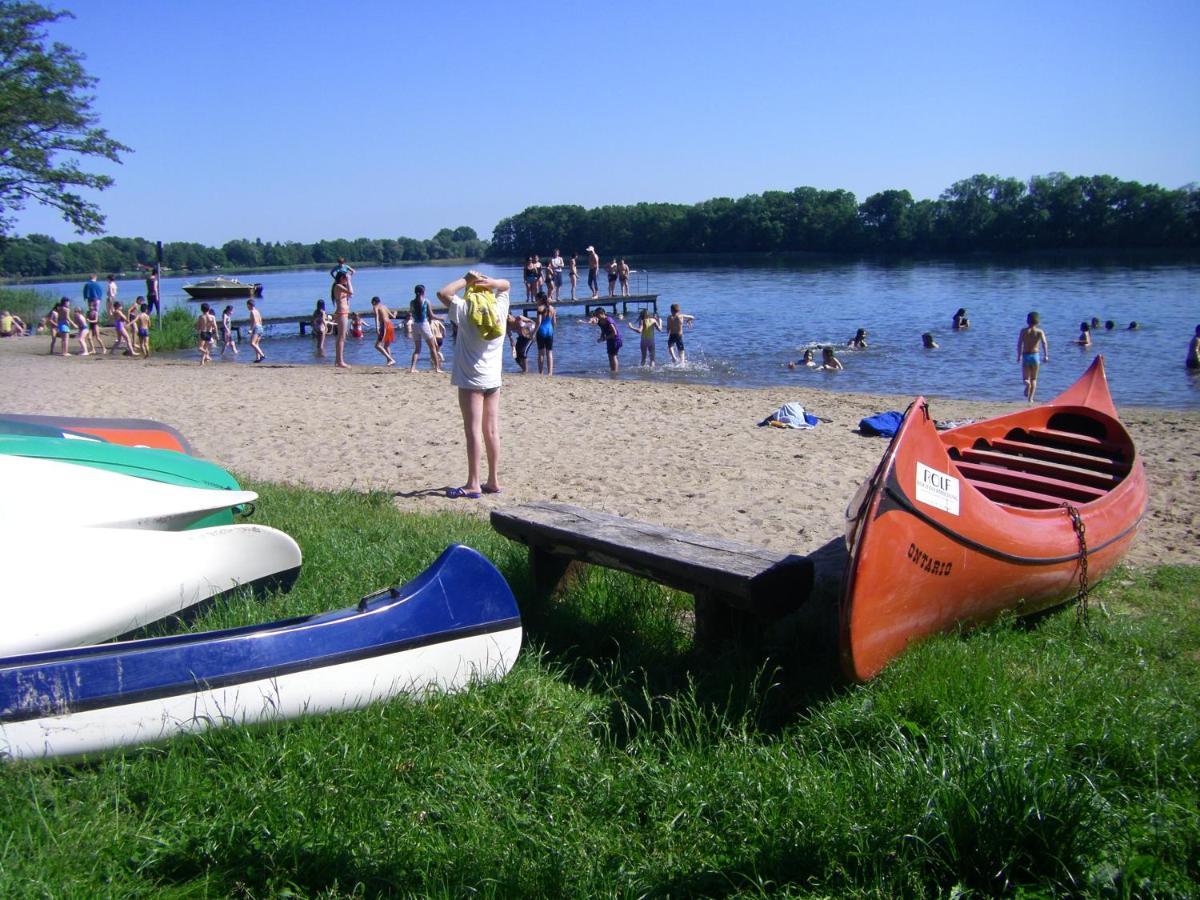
1084 443
1075 474
1022 448
985 475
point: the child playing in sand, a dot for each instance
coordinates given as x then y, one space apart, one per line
646 325
256 331
675 323
206 330
227 331
1029 340
829 362
385 331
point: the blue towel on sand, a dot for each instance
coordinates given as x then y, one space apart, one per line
884 424
791 415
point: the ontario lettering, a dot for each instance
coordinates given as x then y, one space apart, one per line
927 563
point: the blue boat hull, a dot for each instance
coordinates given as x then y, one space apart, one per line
455 623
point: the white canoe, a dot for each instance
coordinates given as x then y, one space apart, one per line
77 586
65 495
454 624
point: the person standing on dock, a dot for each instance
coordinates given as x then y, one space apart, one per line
613 269
1030 339
594 272
573 273
478 363
623 274
556 269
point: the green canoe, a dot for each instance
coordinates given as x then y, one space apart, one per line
168 466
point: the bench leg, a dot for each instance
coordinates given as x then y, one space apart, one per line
552 573
717 621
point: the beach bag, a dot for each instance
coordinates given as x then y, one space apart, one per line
884 424
481 312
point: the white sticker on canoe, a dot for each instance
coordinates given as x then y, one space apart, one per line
937 489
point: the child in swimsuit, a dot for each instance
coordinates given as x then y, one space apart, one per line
675 323
356 326
385 332
829 362
93 322
227 331
119 324
83 334
206 330
859 341
1030 339
143 331
256 331
646 326
1085 335
319 326
611 336
544 335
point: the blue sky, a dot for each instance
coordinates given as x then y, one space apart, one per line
303 120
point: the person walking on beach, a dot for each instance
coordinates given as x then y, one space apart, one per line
610 336
1029 340
478 360
83 335
675 323
593 272
256 331
340 294
1193 355
60 326
227 331
93 323
142 329
573 273
385 331
646 325
206 331
121 325
422 318
152 293
544 335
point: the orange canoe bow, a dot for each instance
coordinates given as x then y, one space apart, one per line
1012 513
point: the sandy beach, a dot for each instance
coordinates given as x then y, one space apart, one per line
678 455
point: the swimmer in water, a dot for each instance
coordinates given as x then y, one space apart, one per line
859 341
1029 340
806 361
928 342
1085 335
829 362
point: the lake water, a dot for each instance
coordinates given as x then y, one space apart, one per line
752 319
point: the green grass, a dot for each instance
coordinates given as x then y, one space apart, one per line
177 331
1020 760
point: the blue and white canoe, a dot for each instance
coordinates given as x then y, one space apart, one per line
454 624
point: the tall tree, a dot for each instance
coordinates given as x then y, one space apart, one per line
46 122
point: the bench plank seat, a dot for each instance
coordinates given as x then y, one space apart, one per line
762 584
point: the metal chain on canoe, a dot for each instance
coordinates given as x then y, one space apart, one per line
1081 598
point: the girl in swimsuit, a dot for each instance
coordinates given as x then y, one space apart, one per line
356 326
611 336
573 273
93 323
119 320
645 326
829 362
544 335
612 278
341 311
531 277
82 333
227 331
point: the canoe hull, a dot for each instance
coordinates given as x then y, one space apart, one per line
933 550
130 432
454 624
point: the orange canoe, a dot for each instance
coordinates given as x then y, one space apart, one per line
1011 513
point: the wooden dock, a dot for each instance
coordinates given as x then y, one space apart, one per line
305 322
589 304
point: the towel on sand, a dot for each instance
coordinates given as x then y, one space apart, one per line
791 415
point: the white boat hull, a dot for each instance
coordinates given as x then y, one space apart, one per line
42 493
440 667
74 586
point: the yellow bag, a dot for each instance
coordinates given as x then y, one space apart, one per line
481 311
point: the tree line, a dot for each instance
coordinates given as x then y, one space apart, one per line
980 213
39 255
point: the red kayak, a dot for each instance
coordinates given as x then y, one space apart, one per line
130 432
1019 513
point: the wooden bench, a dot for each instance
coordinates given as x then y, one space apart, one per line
737 587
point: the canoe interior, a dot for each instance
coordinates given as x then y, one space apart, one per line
1075 456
